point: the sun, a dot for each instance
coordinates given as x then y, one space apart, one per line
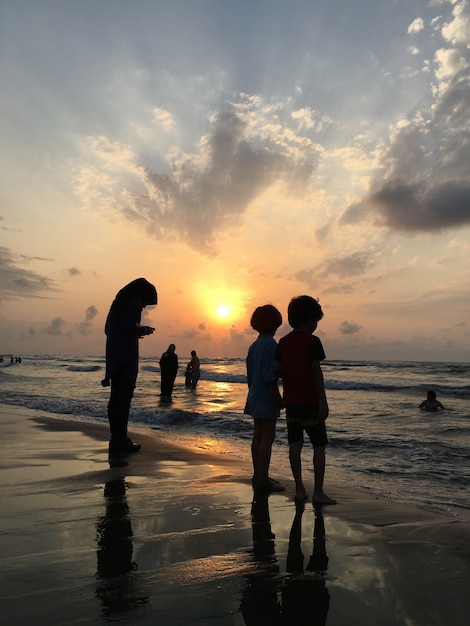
223 306
223 310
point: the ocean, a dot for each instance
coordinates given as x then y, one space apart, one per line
379 440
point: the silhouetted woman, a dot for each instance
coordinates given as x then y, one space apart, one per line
168 371
123 331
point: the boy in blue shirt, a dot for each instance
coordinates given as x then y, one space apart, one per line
264 399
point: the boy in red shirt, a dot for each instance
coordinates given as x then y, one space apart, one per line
297 362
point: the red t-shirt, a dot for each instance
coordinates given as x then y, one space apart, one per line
295 353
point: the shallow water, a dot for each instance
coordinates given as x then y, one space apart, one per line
379 439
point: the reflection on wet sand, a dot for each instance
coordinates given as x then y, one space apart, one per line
117 583
260 602
299 596
305 598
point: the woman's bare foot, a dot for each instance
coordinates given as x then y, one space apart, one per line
270 485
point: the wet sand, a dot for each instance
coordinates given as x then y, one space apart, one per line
172 535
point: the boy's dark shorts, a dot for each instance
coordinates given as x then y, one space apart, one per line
300 417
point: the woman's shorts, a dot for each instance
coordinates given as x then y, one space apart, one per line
304 417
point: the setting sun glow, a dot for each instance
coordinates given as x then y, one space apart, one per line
223 310
223 306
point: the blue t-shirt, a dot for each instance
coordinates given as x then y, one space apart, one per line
259 369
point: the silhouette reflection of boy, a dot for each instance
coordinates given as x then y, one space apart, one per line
116 582
305 598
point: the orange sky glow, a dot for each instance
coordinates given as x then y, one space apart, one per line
236 158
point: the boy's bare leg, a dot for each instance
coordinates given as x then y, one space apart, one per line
295 450
319 462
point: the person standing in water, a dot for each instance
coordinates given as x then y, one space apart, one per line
123 331
168 371
195 364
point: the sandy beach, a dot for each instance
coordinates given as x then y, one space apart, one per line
173 535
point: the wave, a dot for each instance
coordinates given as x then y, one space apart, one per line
223 377
435 366
150 368
352 385
83 368
175 417
67 407
336 384
213 376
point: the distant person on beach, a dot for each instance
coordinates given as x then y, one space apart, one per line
187 375
431 403
123 331
264 400
168 371
195 365
297 362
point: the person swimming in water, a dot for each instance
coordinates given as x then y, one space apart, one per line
431 403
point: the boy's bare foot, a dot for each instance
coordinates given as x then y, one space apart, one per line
322 498
301 495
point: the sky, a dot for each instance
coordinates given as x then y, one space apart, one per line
236 154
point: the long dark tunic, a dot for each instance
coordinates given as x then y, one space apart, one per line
122 362
168 369
122 341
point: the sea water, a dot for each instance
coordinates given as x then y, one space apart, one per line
379 440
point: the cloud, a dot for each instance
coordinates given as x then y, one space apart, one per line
457 31
416 26
16 282
423 183
85 326
420 207
237 335
90 313
55 328
189 334
165 118
354 264
26 258
28 335
349 328
246 150
5 228
351 265
204 192
74 271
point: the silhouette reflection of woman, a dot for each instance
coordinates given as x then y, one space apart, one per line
260 603
116 582
305 598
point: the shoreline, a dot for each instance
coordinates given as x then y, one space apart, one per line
175 533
